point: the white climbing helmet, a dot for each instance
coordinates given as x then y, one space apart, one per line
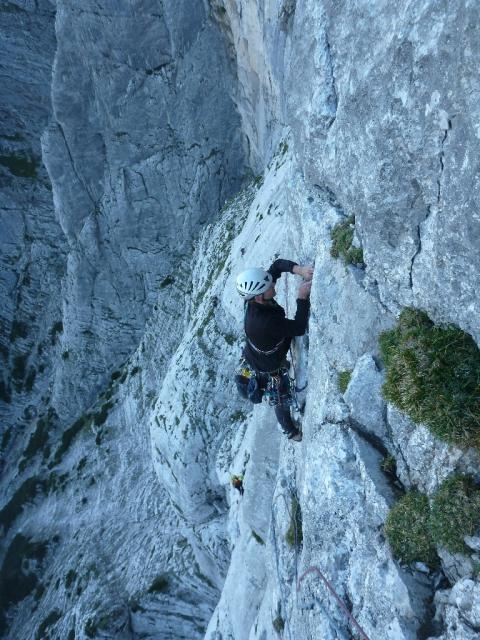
253 282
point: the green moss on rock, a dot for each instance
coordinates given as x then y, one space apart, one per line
433 375
294 535
407 530
344 378
342 238
455 513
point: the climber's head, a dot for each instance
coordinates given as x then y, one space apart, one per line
255 282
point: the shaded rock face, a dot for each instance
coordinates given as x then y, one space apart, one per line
32 246
143 147
119 519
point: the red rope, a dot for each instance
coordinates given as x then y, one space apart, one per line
337 598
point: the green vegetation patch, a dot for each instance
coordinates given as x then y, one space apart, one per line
100 417
69 435
294 535
55 330
342 238
7 434
389 465
27 492
166 282
455 513
160 584
278 624
30 379
53 617
70 578
258 538
433 375
407 530
19 330
344 378
37 442
16 582
5 392
90 628
238 416
19 367
21 166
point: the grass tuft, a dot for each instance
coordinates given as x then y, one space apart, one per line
389 465
294 535
407 530
433 375
344 378
342 238
159 585
278 624
258 538
53 617
455 513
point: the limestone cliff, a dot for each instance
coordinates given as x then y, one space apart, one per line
150 151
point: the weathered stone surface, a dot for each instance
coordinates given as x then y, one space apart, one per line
389 127
457 565
364 397
459 609
142 149
416 450
355 109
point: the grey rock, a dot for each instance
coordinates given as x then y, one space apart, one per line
459 610
473 542
456 565
364 397
416 449
145 119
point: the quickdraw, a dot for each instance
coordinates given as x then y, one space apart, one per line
281 389
277 386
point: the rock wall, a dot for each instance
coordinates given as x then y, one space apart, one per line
118 501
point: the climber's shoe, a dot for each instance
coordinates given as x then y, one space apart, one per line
295 435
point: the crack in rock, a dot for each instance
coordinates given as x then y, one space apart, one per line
80 180
332 100
438 203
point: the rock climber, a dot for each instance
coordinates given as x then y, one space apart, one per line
237 483
269 333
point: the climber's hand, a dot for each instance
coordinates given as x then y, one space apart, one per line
304 289
306 271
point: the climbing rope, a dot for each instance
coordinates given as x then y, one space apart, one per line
341 604
311 569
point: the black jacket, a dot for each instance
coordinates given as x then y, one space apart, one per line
267 328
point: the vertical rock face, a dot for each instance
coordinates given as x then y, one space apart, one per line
118 516
32 247
401 132
144 146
